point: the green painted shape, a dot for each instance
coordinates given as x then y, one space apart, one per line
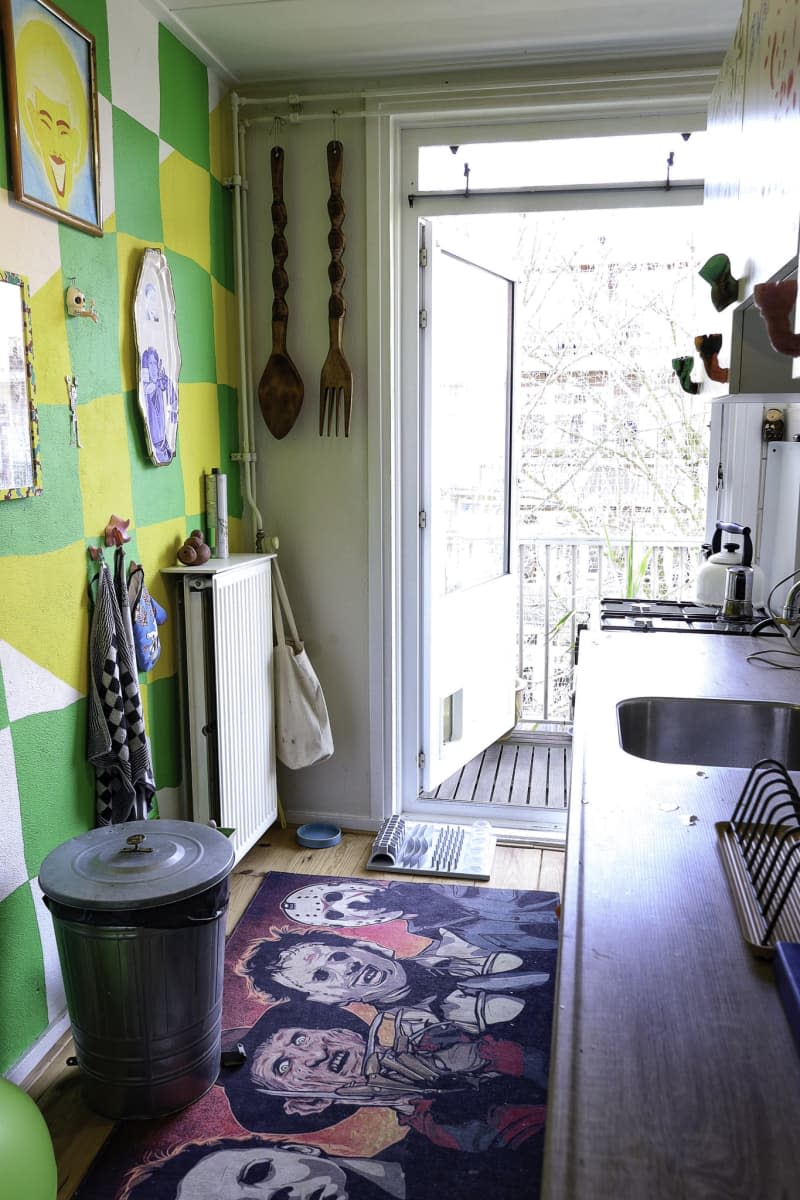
183 81
93 17
53 520
23 998
222 267
163 727
194 311
227 406
93 347
137 195
56 801
157 491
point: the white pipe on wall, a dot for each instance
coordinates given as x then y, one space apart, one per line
246 454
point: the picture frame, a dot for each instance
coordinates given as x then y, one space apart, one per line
20 464
158 355
53 117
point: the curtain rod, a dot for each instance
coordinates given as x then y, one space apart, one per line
578 189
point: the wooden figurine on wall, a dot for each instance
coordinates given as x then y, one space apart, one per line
683 369
724 288
775 301
708 346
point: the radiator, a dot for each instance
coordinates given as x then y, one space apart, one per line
229 753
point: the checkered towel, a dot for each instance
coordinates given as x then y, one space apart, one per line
117 744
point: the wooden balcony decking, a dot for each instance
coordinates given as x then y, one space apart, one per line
512 772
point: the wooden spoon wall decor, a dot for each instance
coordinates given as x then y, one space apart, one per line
280 391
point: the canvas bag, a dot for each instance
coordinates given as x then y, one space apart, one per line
302 726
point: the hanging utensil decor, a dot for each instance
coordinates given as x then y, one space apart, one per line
336 380
280 391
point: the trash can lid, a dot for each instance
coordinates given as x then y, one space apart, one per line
138 864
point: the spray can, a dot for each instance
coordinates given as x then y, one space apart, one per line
221 487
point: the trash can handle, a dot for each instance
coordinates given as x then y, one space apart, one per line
206 920
133 845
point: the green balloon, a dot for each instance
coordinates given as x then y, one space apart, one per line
27 1160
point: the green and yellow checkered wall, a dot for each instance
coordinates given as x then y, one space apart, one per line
163 144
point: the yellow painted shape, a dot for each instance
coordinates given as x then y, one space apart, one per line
220 130
45 587
104 463
186 208
129 261
158 545
226 334
51 358
198 440
110 223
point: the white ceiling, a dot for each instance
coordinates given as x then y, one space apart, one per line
257 41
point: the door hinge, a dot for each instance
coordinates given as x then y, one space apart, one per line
421 759
423 519
423 318
423 256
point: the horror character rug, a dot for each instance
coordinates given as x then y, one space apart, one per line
396 1039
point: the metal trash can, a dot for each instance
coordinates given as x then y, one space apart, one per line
139 917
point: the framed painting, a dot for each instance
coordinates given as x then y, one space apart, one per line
20 466
158 355
52 103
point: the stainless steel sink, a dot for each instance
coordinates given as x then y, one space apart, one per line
714 733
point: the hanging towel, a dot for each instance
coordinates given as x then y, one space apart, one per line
117 744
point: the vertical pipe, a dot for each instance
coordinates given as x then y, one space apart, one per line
521 609
245 424
546 693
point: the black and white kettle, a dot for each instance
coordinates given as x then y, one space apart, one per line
712 577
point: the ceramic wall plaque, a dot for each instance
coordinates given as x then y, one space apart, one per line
158 355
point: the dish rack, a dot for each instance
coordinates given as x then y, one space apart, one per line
760 848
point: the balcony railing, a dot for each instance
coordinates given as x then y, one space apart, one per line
560 581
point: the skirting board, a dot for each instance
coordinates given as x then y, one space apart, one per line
33 1058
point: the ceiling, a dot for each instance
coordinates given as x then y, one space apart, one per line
259 41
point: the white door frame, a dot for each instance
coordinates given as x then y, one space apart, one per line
645 102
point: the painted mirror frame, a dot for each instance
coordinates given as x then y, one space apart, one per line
20 464
158 356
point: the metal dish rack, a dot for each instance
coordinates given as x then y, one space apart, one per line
760 848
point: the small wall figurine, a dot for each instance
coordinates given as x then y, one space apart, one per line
708 346
775 302
683 369
79 304
724 288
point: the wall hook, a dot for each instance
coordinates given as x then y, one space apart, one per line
72 393
683 369
775 302
708 346
116 531
78 303
724 288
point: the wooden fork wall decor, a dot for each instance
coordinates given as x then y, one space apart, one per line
336 379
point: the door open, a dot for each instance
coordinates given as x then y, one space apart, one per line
468 596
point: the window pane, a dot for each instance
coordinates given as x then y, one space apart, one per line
584 161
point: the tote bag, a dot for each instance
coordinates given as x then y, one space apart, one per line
302 726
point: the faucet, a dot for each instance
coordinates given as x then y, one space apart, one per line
791 605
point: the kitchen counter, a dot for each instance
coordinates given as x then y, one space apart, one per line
674 1071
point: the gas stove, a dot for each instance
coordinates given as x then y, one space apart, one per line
674 616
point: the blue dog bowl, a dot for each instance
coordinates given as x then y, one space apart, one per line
318 836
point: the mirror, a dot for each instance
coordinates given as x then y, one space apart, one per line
20 467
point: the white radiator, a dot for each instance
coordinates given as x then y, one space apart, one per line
228 717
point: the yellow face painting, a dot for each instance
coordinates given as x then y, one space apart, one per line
53 106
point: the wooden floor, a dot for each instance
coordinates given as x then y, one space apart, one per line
78 1134
525 773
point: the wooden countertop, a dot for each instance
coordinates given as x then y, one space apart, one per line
674 1070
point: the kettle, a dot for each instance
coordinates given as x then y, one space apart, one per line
712 577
